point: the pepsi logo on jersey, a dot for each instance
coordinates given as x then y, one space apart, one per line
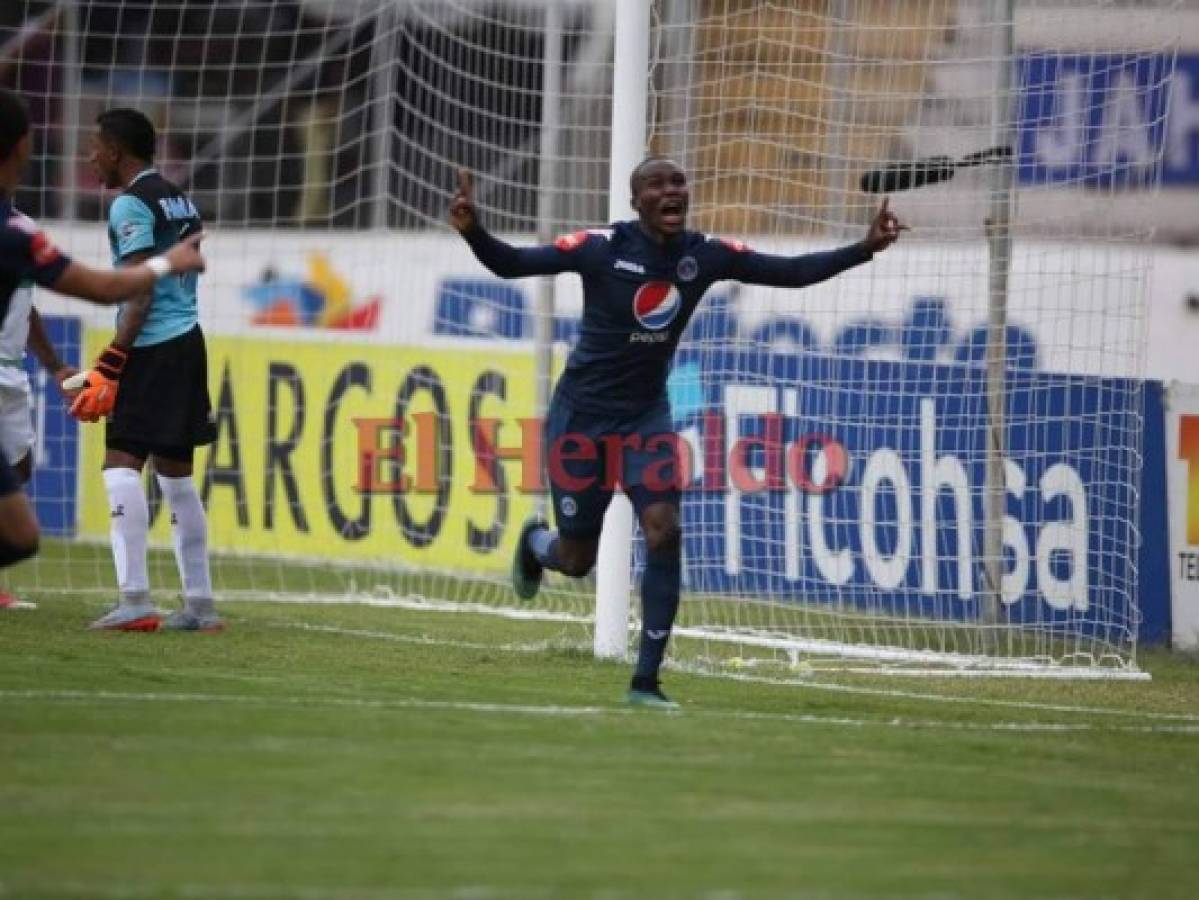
656 304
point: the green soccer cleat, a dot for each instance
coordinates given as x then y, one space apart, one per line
526 570
648 695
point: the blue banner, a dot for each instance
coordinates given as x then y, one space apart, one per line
56 453
903 533
1099 120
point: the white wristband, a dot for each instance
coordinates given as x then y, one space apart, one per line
159 266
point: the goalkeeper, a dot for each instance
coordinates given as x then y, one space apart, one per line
642 280
151 383
27 254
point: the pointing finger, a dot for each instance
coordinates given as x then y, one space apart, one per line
466 182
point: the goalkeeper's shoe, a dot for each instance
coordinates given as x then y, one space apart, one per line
129 617
187 620
526 570
647 693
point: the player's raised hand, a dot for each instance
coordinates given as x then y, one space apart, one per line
185 256
884 230
463 215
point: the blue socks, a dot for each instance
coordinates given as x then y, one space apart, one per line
544 544
659 606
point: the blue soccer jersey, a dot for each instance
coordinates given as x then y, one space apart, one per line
639 295
26 253
152 215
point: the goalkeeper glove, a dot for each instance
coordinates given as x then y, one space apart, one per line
99 386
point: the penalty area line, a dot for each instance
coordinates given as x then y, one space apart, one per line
574 712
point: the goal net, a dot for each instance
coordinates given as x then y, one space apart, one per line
963 414
354 341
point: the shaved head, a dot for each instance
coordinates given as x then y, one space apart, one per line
639 169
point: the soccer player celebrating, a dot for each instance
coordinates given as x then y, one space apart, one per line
642 280
26 253
152 384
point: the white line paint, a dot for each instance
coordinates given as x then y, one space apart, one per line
950 698
559 711
141 890
415 603
285 701
426 640
91 890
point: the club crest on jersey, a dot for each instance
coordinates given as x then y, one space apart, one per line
656 304
687 269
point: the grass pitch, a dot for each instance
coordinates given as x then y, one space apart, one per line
324 753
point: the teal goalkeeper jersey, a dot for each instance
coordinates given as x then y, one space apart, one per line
152 214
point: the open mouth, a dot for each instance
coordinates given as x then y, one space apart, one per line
672 212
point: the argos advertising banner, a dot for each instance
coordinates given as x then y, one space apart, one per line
284 476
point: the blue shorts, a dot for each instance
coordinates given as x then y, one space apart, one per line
587 457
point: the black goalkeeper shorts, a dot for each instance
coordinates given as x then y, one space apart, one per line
162 404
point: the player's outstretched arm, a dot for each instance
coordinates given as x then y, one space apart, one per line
108 287
500 257
813 268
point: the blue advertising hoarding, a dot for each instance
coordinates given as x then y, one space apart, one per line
56 453
904 531
1100 120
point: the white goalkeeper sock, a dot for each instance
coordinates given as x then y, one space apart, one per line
190 525
129 523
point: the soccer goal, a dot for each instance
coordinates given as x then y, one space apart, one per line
930 462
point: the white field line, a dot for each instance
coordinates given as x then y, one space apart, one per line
417 604
560 711
949 698
424 639
91 890
199 891
800 681
69 696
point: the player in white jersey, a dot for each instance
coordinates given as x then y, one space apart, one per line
22 328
